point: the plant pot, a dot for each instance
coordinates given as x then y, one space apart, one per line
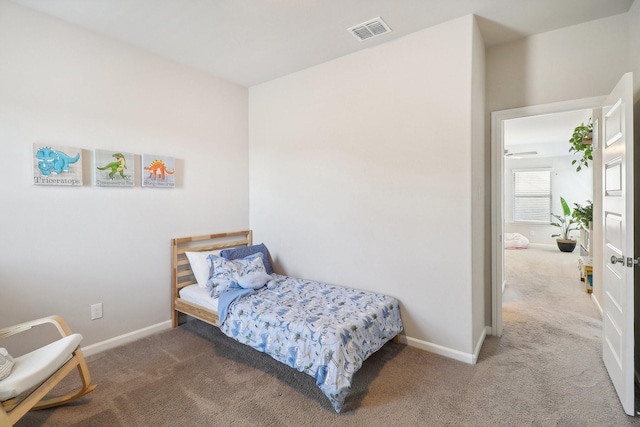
566 245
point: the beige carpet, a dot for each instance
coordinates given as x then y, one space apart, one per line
546 370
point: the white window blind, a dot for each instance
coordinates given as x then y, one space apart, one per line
532 195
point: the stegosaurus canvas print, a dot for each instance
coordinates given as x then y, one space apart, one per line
158 171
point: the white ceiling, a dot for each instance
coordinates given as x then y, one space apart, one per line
548 134
253 41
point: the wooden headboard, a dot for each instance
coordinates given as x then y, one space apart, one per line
182 275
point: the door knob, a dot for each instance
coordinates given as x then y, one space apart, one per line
615 260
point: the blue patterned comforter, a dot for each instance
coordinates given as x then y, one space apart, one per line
323 330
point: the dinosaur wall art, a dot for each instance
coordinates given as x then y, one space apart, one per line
51 161
113 169
157 169
63 166
118 166
54 165
161 171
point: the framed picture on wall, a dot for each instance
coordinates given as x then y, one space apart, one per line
158 171
57 165
113 168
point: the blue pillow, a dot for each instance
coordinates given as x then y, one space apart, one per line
245 251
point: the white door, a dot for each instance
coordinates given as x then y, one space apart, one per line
616 137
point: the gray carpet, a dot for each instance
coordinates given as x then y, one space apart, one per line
546 370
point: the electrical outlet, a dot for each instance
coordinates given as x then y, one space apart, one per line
96 311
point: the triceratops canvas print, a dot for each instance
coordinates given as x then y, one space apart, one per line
158 171
55 165
113 169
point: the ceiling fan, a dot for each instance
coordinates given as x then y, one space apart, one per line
520 154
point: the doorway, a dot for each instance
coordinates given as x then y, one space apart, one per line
499 120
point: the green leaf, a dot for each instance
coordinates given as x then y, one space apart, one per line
565 207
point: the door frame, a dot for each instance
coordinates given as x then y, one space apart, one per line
497 189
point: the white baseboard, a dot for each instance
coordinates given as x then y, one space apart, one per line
486 331
596 302
446 351
126 338
412 342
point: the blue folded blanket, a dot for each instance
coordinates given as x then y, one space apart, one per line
233 293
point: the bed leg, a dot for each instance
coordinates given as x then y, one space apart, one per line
174 319
396 339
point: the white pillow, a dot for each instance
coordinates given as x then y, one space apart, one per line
253 280
515 241
6 363
200 266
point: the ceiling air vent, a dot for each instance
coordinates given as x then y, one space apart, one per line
370 29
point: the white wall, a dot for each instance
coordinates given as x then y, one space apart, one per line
360 175
575 187
63 249
480 235
575 62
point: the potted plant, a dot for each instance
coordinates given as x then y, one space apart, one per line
581 142
583 214
566 223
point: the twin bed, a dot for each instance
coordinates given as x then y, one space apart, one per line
323 330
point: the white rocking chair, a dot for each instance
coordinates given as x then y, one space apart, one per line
36 373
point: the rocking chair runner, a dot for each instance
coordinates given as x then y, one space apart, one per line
35 374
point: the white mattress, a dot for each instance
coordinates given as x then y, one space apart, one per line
200 296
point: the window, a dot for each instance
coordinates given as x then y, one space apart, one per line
532 195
